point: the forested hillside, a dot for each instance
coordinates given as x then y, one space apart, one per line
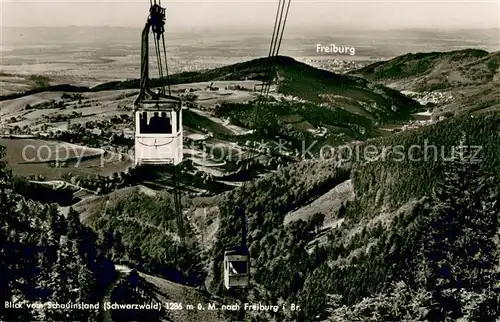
417 241
443 256
398 237
147 225
435 70
47 257
403 172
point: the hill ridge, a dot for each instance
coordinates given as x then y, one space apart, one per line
430 71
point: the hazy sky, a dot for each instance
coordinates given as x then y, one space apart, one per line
256 13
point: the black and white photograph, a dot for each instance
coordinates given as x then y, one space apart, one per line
249 160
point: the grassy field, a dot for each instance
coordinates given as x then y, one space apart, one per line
99 108
328 204
41 151
33 157
102 106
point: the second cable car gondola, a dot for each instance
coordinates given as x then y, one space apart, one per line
236 267
237 259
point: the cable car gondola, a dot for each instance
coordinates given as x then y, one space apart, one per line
236 267
158 131
237 259
157 116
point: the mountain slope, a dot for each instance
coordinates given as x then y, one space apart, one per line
305 82
375 242
475 99
147 222
310 104
434 71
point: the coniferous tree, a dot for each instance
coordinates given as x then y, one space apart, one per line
74 265
38 260
11 226
61 281
459 247
46 260
108 241
86 284
74 225
57 223
118 247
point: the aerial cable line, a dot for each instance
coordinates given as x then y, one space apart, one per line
175 176
277 48
272 49
166 64
284 24
160 65
271 52
158 58
156 22
275 40
266 73
177 205
239 211
262 101
277 37
280 39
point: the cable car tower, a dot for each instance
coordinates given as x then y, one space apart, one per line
157 116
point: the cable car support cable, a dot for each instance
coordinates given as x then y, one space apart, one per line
271 50
155 24
277 44
276 40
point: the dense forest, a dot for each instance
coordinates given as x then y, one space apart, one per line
435 260
147 227
47 257
50 258
418 242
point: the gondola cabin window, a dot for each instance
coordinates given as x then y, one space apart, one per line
237 267
156 122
